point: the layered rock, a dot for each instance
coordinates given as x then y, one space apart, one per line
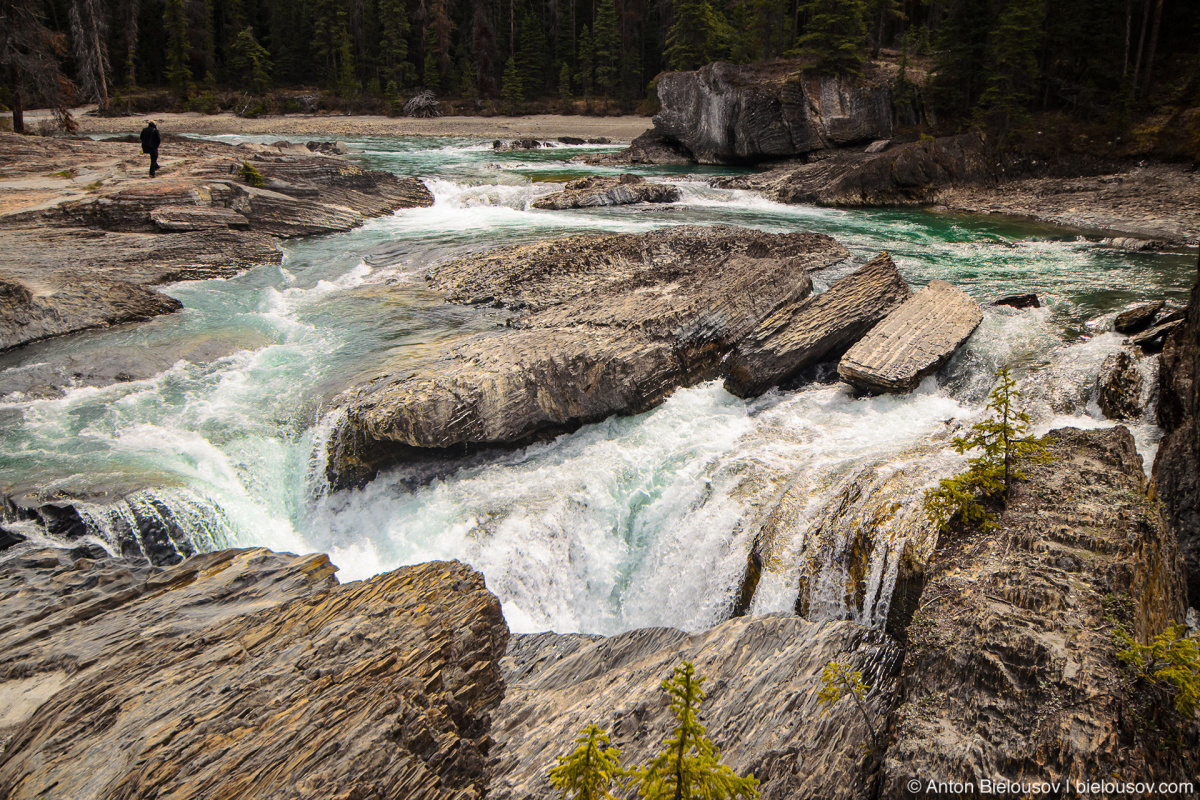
245 674
600 190
1012 670
819 329
763 675
1177 465
1119 387
913 341
725 113
83 251
599 325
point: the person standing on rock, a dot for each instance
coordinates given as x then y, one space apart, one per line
150 142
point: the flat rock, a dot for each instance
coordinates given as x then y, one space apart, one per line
1138 318
245 674
913 341
819 329
596 325
194 218
762 679
608 191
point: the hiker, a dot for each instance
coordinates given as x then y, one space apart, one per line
150 141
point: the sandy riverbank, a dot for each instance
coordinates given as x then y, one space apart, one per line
541 126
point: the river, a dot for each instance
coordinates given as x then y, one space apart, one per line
631 522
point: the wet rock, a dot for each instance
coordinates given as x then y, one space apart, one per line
914 174
598 325
649 148
1177 465
1138 318
913 341
245 673
819 329
1011 671
763 675
1152 339
608 191
724 113
1018 301
1132 243
328 148
512 145
1119 387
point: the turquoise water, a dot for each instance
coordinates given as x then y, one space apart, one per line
630 522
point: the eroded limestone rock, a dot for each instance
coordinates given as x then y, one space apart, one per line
608 191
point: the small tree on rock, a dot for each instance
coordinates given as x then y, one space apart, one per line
589 772
690 767
838 681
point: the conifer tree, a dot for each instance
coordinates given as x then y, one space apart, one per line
838 681
511 91
607 49
393 39
587 52
693 39
1012 71
564 82
178 73
835 39
589 772
250 60
347 82
530 55
690 767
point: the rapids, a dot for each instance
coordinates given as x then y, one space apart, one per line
631 522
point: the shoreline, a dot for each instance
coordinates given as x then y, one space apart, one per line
621 129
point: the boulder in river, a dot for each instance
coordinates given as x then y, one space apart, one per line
598 325
245 674
725 113
1152 339
1020 301
600 190
912 341
819 329
1138 318
1120 387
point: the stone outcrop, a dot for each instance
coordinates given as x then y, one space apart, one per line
724 113
1177 465
1138 318
819 329
81 252
1152 339
245 674
913 341
600 190
1011 671
1119 387
763 675
649 148
913 174
597 325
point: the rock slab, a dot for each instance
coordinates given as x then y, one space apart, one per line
608 191
913 341
245 674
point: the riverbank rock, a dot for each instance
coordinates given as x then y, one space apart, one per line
599 190
913 174
912 341
1152 339
596 325
1119 387
763 675
1138 318
245 674
819 329
1177 465
1012 670
725 113
82 251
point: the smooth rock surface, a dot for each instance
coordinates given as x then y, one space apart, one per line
245 674
598 325
763 675
819 329
599 190
1011 671
913 341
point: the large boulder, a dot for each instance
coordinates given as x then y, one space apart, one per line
763 676
600 190
819 329
1119 387
1138 318
1012 670
725 113
244 674
913 341
597 325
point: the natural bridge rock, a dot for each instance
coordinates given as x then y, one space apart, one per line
913 341
763 675
608 191
244 674
819 329
596 325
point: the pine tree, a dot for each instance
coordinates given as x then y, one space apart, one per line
250 61
347 82
607 49
178 73
587 52
511 91
690 767
694 37
588 772
564 82
1012 71
1001 438
530 55
835 39
838 681
393 39
959 53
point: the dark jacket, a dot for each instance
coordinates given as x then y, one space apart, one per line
150 138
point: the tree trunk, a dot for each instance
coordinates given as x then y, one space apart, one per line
1153 46
1128 33
14 88
101 79
1137 63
